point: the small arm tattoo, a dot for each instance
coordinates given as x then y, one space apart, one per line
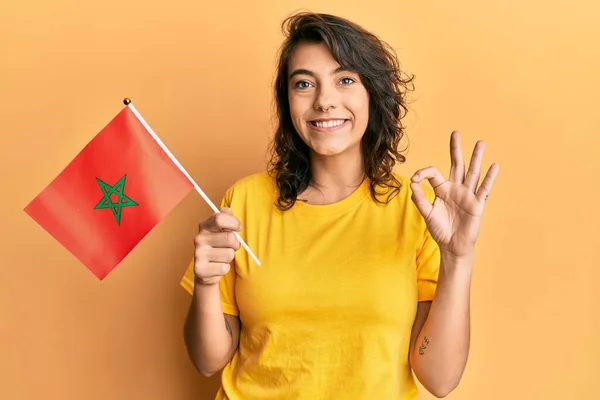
423 345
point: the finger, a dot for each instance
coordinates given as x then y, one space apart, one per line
432 174
457 163
221 221
207 272
221 239
488 182
215 254
472 177
421 202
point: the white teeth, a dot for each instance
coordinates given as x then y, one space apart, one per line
329 124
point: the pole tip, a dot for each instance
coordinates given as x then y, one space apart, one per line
126 101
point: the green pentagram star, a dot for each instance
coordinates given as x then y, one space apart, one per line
122 200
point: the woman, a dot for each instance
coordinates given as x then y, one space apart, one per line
365 274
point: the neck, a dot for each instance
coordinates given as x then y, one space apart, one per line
333 178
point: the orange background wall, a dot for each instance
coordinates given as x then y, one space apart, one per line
521 75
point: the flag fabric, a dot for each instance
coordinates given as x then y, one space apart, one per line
111 195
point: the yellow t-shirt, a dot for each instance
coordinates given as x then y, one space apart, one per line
329 313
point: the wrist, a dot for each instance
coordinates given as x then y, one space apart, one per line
457 265
201 285
207 296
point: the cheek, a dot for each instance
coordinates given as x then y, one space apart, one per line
297 111
360 109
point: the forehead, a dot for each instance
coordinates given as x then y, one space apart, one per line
312 56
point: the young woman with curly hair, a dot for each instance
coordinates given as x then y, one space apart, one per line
365 273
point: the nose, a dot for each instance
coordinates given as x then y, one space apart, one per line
326 99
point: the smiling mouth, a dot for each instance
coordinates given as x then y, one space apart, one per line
329 123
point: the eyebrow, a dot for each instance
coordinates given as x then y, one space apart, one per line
302 71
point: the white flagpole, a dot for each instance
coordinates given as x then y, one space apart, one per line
128 103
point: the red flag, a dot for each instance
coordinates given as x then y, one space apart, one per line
111 195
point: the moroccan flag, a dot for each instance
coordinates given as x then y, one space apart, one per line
111 195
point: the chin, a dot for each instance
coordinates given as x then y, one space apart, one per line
333 149
328 152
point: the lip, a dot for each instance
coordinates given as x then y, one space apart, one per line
327 129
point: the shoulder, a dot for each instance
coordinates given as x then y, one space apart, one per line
258 186
260 181
404 204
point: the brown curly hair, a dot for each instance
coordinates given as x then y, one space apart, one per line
360 51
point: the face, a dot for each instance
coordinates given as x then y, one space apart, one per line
329 106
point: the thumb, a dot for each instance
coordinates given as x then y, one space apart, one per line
226 210
419 199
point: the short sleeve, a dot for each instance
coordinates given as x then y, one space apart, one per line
226 284
187 281
428 260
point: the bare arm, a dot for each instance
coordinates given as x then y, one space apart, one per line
441 333
211 337
440 348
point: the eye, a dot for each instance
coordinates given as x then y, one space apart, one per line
347 81
302 84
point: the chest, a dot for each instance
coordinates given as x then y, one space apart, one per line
344 270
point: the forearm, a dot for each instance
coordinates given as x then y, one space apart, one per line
441 350
208 338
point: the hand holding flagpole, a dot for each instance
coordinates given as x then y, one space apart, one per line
128 103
